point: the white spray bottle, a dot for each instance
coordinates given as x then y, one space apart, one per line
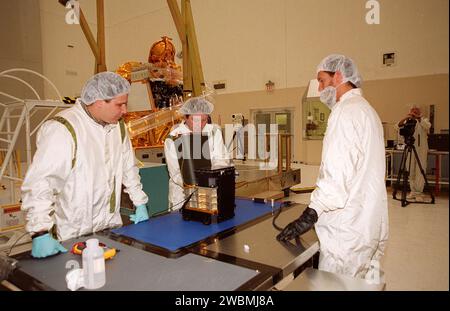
93 265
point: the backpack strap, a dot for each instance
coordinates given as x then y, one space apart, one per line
122 130
173 137
63 121
214 130
72 132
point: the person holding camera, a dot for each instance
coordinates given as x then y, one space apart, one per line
422 126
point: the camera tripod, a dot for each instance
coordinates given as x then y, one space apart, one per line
403 173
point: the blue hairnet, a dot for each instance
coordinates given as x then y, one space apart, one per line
104 86
343 64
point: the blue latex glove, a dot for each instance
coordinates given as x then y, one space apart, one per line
140 215
44 246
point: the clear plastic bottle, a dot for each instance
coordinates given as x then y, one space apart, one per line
93 265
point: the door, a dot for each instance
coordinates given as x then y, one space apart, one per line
262 143
282 118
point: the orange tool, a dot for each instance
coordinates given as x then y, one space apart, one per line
109 253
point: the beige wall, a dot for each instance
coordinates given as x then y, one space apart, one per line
391 99
228 104
68 67
20 39
249 42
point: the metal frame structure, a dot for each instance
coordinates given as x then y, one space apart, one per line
22 110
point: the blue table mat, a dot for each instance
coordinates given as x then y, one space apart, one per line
171 232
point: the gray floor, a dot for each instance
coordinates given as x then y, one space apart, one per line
417 254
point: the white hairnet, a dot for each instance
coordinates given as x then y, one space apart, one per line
343 64
104 86
414 106
416 109
197 105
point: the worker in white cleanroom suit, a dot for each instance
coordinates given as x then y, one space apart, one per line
349 204
196 111
422 127
73 186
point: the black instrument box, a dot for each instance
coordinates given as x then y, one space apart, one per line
220 185
438 142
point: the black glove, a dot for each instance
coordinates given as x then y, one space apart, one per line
299 226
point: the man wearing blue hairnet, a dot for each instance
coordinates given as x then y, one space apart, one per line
349 205
73 186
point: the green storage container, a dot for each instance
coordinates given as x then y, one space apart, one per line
155 182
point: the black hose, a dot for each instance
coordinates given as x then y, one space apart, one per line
285 203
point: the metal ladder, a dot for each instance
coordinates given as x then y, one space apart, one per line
21 110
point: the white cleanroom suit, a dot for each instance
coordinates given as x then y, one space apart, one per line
350 197
84 198
219 157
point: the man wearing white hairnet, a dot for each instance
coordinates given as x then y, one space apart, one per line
349 204
196 111
416 180
83 156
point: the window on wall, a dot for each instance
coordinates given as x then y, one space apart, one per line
283 118
315 118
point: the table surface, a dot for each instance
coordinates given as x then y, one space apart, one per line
258 243
430 151
135 269
252 173
172 234
248 257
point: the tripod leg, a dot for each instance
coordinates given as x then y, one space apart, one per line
400 174
423 174
406 176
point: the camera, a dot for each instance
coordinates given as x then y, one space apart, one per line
237 118
408 128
